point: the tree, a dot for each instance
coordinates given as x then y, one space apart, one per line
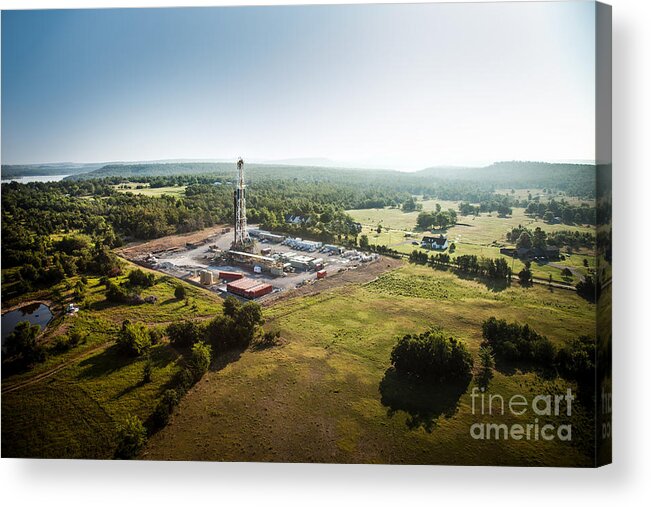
525 239
525 276
133 339
431 356
567 273
165 407
363 242
231 306
539 238
185 333
22 342
132 436
487 363
147 371
200 359
249 317
576 360
409 205
237 327
139 278
515 342
587 289
179 292
115 293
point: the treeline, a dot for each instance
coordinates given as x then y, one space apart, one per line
524 237
563 211
496 269
501 204
516 343
238 326
45 262
573 179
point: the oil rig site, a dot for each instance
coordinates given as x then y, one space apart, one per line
251 263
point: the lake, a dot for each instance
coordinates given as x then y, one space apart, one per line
36 313
36 179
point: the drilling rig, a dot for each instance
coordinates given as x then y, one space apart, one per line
242 241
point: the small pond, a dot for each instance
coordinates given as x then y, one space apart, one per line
35 313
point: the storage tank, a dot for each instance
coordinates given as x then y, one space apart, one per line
206 278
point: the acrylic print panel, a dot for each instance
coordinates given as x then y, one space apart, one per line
339 234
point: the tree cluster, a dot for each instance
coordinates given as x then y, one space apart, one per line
431 356
517 343
436 219
566 212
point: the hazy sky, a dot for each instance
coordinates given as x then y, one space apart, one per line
403 86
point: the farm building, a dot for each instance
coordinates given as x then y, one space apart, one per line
297 219
249 288
439 242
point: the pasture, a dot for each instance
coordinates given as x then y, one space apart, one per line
481 235
68 406
327 394
151 192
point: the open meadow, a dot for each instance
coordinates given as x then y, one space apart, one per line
328 394
481 235
69 405
145 189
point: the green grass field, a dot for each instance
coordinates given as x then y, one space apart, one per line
482 236
327 394
152 192
74 411
522 193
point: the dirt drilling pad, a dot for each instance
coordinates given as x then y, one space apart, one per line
182 255
361 274
134 251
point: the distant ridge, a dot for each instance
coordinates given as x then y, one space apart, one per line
508 174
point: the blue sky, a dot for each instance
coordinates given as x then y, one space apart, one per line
404 86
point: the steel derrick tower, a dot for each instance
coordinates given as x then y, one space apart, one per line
241 240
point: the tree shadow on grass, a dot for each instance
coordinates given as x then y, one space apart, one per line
424 402
227 357
104 363
112 360
492 284
104 304
510 368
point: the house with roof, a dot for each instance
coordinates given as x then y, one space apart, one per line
439 242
